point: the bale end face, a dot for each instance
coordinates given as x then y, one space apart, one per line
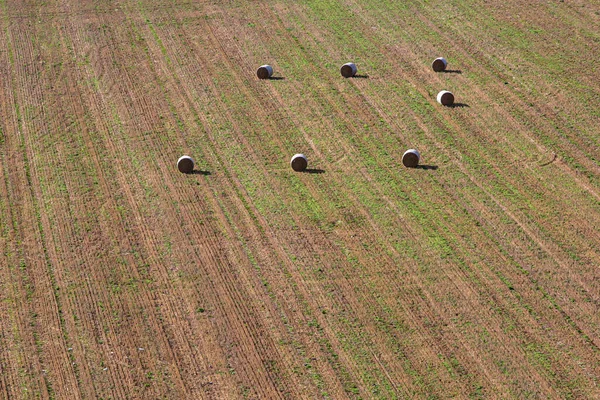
445 98
299 163
411 158
439 64
185 164
348 70
264 72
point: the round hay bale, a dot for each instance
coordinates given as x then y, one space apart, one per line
411 158
185 164
264 71
439 64
445 98
348 70
299 162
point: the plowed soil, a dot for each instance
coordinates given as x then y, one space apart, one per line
474 275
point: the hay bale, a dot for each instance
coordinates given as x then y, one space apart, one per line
445 98
299 162
185 164
411 158
439 64
348 70
264 71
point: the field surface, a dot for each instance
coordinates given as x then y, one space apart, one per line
476 275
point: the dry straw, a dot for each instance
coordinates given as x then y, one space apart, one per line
185 164
439 64
299 162
264 71
445 98
411 158
348 70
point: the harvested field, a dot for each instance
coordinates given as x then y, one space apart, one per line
121 277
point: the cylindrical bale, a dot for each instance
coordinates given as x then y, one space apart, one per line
439 64
445 98
264 71
348 70
185 164
299 162
411 158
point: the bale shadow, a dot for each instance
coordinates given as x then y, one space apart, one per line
314 171
459 105
361 76
452 71
426 167
277 78
198 172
